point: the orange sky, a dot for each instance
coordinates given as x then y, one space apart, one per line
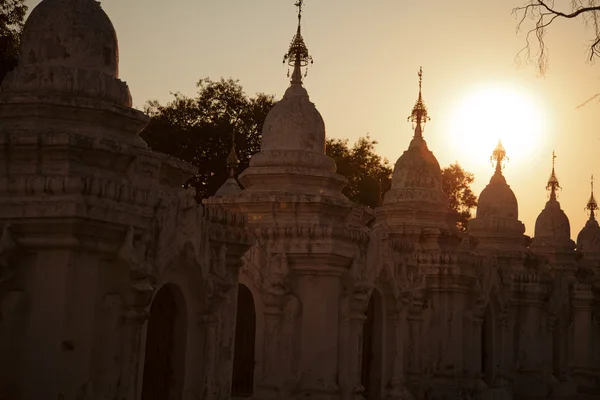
364 79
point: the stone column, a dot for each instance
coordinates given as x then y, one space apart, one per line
270 376
415 324
130 377
210 323
319 331
583 299
396 387
530 380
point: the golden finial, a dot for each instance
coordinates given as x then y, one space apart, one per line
499 156
553 184
419 115
297 55
591 205
232 160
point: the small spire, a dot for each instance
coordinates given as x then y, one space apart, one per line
591 205
419 115
499 157
553 184
232 160
297 55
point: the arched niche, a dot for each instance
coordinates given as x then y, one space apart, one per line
372 348
242 382
166 336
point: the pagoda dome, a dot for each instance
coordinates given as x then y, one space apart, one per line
552 227
497 200
70 33
588 239
294 124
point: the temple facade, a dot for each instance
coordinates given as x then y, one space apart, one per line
115 284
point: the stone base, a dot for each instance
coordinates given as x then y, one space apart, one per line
533 386
564 390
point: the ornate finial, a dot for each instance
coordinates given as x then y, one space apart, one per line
232 160
297 55
591 205
553 185
499 157
419 113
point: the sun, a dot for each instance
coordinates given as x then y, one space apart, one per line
493 112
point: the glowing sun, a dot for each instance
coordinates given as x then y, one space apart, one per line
492 112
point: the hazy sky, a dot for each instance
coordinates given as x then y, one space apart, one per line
367 54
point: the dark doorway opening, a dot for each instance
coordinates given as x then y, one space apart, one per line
242 383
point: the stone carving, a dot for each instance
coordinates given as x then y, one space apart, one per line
7 249
291 378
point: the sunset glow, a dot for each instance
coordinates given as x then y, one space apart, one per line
492 112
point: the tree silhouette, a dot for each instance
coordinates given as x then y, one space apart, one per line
200 130
12 18
456 183
544 13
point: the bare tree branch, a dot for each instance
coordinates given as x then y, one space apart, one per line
544 13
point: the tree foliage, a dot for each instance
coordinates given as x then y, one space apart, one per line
12 18
368 174
456 183
543 13
199 130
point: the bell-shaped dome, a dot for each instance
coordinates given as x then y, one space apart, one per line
294 124
70 33
417 168
552 227
588 240
497 199
417 176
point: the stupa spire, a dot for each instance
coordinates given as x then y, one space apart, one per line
499 157
553 184
591 205
232 159
297 55
419 116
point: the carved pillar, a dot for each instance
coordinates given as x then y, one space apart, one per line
134 318
318 330
530 379
583 342
415 324
396 386
475 347
210 323
270 377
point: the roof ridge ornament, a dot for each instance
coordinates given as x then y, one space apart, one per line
592 205
499 157
297 55
553 184
419 116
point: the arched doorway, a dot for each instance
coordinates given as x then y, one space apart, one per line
372 348
487 347
165 348
242 383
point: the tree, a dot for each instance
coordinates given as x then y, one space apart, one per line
200 130
456 183
544 13
368 174
12 19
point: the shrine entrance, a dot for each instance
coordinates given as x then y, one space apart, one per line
242 383
372 348
165 348
487 347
